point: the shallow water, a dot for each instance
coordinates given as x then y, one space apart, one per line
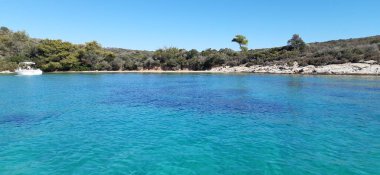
189 124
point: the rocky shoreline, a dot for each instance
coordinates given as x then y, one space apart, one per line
6 72
368 68
333 69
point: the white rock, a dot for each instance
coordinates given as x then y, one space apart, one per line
370 62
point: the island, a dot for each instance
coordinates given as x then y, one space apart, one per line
359 56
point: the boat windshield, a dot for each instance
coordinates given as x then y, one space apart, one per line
26 65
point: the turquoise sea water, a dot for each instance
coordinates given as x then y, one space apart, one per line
189 124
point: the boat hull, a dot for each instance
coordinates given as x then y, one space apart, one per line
29 72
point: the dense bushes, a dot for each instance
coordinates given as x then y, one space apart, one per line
57 55
6 65
339 55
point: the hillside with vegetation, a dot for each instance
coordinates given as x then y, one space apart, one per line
57 55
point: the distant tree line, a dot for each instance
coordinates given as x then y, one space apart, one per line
58 55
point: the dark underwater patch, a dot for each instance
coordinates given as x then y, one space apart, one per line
15 119
25 119
188 98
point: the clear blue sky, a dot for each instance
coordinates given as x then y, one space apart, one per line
200 24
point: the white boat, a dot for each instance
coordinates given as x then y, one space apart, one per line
27 68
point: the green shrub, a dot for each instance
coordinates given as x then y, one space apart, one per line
51 67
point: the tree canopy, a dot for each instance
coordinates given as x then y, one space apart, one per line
296 42
242 41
